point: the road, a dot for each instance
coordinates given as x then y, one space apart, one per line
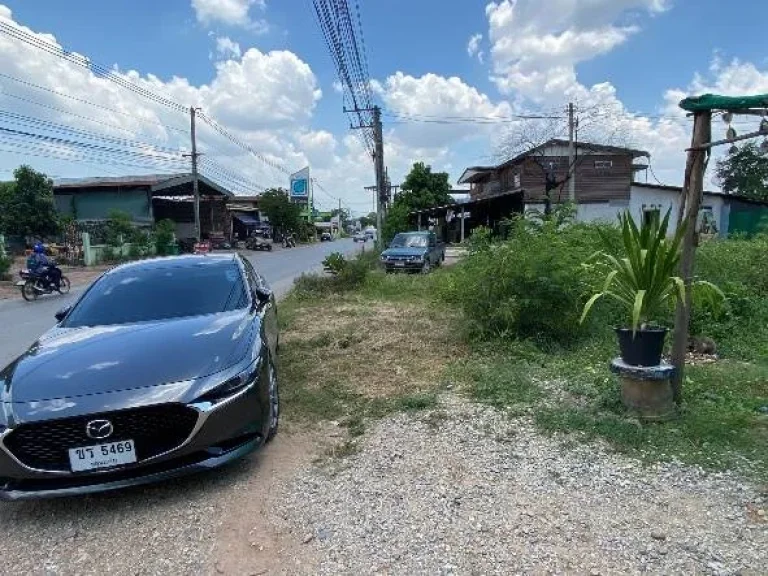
22 322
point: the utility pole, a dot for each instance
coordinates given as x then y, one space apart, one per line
571 154
693 189
338 225
378 139
195 187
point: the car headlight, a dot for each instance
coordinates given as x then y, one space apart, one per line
383 258
233 385
419 258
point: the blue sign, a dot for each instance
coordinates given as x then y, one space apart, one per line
299 188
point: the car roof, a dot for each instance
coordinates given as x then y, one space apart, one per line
174 262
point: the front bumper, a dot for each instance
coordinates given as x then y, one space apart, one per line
224 432
399 265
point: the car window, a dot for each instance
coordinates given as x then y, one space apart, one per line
139 294
409 241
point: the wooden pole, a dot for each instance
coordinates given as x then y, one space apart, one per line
693 189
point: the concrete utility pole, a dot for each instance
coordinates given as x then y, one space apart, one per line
571 154
693 189
195 187
378 139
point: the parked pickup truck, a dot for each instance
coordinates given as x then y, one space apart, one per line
413 251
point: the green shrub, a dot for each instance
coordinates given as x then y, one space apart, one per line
163 235
334 263
5 266
349 275
530 286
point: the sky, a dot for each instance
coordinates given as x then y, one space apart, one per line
261 70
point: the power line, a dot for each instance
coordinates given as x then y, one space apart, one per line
83 101
98 69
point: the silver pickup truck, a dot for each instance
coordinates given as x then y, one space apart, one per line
413 251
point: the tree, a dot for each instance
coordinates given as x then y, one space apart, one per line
744 172
369 220
421 189
282 213
27 207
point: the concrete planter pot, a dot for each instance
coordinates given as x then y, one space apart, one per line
646 391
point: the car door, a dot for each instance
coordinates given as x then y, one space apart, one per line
259 286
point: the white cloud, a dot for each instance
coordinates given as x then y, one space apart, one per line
535 46
473 47
227 48
230 12
420 101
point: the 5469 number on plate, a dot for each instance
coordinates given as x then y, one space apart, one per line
102 455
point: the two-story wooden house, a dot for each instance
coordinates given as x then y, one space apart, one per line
602 174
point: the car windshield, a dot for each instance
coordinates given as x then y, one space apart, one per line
409 241
141 294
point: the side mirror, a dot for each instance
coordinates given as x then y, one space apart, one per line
61 314
261 297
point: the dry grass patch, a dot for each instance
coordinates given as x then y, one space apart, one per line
370 348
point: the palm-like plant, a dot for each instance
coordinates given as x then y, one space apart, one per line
646 279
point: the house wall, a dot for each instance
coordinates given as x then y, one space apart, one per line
644 198
593 183
97 203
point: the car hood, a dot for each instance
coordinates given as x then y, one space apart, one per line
71 362
404 251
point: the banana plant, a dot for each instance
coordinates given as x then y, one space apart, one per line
645 279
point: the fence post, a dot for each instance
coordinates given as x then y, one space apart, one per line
88 255
3 253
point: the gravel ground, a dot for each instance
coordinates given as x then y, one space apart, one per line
464 490
164 529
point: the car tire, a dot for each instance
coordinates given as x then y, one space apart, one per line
274 401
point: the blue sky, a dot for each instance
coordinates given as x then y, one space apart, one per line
632 57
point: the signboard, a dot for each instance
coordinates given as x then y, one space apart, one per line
300 184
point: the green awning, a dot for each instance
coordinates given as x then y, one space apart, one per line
715 102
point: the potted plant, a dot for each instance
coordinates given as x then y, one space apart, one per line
644 281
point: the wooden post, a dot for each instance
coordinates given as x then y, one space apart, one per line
693 189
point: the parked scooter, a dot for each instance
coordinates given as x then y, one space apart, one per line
33 285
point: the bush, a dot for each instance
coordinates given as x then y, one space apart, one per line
334 263
349 275
164 233
738 267
5 266
530 286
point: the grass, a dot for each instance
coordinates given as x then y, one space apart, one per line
355 355
720 425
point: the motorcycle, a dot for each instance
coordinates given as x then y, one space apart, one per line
33 285
289 242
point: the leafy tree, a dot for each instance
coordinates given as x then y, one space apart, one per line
282 213
26 205
369 220
421 189
744 172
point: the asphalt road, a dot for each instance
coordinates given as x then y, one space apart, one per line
22 322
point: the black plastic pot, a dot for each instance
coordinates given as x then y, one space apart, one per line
644 349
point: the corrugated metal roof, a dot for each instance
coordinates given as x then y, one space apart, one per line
142 180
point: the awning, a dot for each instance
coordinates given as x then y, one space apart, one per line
716 102
246 219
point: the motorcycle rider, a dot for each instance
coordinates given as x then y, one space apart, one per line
39 265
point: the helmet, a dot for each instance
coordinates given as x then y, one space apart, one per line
39 249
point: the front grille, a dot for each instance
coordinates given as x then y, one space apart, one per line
154 430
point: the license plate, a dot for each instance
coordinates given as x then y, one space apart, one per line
400 264
102 455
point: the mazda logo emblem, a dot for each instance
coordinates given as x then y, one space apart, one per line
99 429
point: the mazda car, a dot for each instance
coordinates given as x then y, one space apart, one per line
161 368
